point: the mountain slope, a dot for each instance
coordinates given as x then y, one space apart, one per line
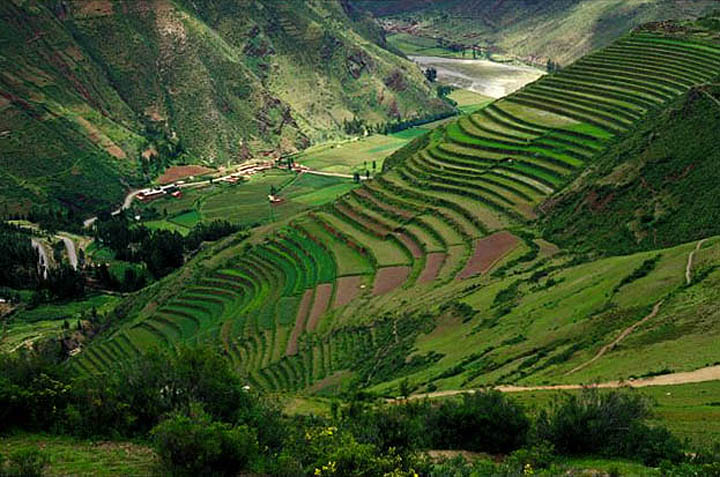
533 30
437 270
89 86
654 189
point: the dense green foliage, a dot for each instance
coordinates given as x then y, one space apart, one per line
202 419
18 258
607 423
161 250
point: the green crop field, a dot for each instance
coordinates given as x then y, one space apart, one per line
353 156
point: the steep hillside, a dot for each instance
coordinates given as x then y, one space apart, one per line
436 270
90 86
533 30
655 188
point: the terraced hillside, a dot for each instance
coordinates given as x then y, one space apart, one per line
344 292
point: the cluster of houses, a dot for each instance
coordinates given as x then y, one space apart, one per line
147 195
247 170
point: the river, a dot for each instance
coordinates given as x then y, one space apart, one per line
481 76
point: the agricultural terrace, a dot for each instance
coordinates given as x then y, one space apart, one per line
446 218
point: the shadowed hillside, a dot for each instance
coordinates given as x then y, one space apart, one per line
90 87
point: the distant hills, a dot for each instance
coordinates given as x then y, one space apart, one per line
534 30
98 95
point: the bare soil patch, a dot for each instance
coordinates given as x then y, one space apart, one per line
433 264
347 289
488 251
302 315
97 137
389 278
323 293
149 152
176 173
411 245
92 8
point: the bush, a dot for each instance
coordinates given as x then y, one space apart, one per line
607 423
195 445
484 421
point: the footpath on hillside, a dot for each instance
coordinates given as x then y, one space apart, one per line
710 373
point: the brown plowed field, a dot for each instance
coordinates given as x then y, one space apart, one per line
348 288
302 314
176 173
414 248
487 252
323 293
433 264
389 278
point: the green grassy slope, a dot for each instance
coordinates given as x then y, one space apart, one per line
436 269
87 87
656 187
563 30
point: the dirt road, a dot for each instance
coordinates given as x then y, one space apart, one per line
43 259
126 205
71 251
711 373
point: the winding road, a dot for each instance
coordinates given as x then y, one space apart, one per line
71 251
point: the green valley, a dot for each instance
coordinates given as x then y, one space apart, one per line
361 269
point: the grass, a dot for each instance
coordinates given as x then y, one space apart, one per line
416 46
70 456
530 320
469 101
351 156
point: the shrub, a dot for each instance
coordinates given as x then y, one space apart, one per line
194 444
608 423
484 421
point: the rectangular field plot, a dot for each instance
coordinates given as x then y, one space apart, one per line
349 157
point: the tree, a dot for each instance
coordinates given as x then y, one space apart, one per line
431 74
367 174
374 165
405 388
356 177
